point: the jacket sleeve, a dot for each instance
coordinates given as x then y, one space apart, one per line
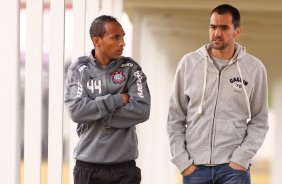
137 110
176 124
83 109
258 126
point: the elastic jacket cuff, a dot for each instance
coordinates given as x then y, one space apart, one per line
118 100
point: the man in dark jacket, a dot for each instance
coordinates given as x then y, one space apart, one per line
106 95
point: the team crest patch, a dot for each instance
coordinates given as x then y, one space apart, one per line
118 77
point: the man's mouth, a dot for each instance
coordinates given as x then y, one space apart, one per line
217 39
120 51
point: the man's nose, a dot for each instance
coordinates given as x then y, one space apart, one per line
217 32
122 42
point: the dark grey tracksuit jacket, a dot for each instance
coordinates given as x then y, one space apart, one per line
105 125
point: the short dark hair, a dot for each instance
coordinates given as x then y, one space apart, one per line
226 8
97 28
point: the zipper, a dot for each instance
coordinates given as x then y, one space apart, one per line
215 109
212 137
106 80
106 125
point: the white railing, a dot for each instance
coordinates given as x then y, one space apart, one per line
10 137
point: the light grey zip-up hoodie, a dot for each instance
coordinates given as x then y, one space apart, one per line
217 116
106 126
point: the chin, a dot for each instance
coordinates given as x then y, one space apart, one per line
116 57
216 47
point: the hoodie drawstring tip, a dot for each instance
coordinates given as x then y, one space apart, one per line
199 111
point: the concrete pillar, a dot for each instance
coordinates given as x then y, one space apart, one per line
112 7
92 10
78 49
277 159
33 92
56 81
154 157
9 108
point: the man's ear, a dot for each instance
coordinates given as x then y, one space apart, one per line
95 40
237 32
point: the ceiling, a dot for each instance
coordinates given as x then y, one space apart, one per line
182 26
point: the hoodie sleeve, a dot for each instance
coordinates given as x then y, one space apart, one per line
258 126
176 124
137 110
80 107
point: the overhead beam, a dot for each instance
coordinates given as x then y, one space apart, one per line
261 6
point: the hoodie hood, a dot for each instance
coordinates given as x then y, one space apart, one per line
240 52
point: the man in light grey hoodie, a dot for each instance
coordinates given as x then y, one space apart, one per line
218 109
106 95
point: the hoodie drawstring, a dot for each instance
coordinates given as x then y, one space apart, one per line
244 89
204 84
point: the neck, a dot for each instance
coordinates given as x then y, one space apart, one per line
222 54
102 60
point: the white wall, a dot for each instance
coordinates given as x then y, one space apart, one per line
277 151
